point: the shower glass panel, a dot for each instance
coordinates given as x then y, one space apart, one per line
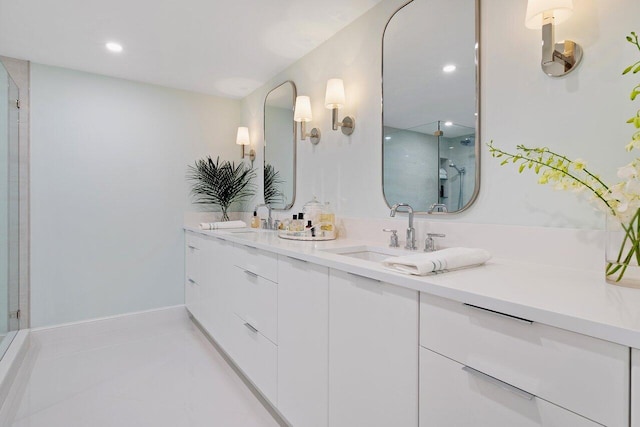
9 211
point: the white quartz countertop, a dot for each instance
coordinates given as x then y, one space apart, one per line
571 299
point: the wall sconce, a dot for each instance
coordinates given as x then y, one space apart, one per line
243 139
333 100
302 114
561 58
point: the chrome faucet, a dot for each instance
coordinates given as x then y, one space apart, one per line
411 232
269 220
437 207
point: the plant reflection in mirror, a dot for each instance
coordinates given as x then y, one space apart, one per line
272 181
221 184
621 202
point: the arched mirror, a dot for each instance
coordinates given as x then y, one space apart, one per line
430 146
280 147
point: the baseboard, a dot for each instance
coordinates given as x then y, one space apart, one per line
161 310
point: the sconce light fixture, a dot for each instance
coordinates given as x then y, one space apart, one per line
243 139
561 58
302 114
334 100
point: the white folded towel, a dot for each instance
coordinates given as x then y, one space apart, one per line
424 263
221 225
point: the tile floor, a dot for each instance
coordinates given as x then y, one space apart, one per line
152 370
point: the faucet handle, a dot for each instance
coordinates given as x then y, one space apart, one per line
429 243
393 239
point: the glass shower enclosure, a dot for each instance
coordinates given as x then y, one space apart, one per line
9 211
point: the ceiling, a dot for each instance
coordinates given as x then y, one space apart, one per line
226 48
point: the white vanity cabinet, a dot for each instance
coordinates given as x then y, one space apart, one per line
373 353
550 366
454 395
303 342
193 274
254 332
215 314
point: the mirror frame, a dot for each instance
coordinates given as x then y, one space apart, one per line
295 139
478 149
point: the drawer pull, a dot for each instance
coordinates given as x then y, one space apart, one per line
296 259
191 281
251 328
497 382
363 277
251 273
497 313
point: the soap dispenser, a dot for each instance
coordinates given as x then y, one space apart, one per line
255 221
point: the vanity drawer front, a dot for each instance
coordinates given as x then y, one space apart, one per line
452 395
586 375
257 357
192 259
256 302
257 261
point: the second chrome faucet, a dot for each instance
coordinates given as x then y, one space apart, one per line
411 232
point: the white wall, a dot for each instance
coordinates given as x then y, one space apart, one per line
108 165
582 115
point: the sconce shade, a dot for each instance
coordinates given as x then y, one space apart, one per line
302 112
334 97
243 136
561 9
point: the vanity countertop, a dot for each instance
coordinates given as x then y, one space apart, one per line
571 299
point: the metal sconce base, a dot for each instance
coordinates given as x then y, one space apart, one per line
314 136
348 125
566 57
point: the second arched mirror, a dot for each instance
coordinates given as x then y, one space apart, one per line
280 147
431 152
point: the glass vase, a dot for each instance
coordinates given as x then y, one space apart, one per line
622 251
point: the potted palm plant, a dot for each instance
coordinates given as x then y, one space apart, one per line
221 183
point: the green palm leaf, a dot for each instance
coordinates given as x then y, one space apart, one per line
221 184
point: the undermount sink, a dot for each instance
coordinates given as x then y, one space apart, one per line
369 253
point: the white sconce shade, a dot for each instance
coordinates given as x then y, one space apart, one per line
302 112
561 10
302 115
243 136
334 97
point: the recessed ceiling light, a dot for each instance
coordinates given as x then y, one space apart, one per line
448 123
114 47
449 68
387 138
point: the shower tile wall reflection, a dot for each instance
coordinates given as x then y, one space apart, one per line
410 168
421 168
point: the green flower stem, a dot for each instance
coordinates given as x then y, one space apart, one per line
631 233
546 150
575 178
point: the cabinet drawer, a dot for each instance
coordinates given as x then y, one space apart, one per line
586 375
453 396
257 261
256 302
257 357
192 258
